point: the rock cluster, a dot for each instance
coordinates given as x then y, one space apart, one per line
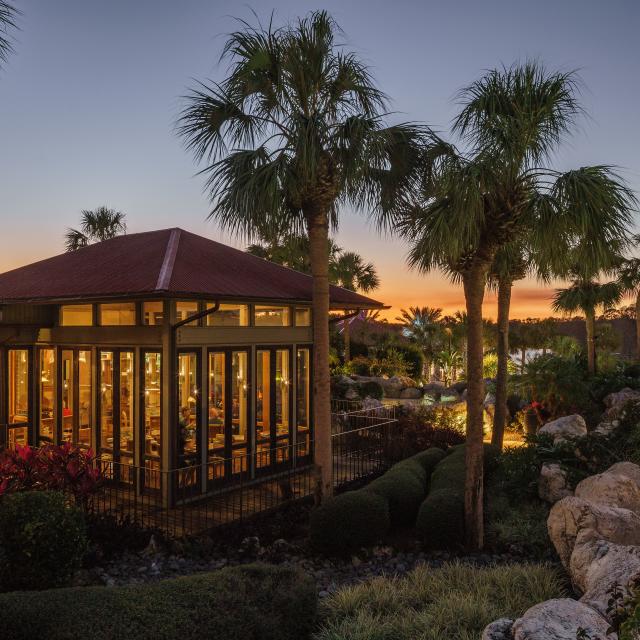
596 533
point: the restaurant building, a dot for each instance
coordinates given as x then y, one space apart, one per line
161 351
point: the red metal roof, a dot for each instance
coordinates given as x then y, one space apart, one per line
171 262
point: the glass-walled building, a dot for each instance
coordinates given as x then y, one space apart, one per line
162 351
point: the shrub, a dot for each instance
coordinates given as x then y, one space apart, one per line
348 522
65 468
359 366
252 602
413 467
455 601
42 539
413 359
371 389
440 522
403 492
391 364
429 459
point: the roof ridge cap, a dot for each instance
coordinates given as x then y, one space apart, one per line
166 270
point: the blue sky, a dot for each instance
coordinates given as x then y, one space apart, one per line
88 102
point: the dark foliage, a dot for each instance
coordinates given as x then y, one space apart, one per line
252 602
42 540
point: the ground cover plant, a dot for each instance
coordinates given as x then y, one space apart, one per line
252 602
455 601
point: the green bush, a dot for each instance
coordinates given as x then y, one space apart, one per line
359 366
371 389
440 522
403 490
413 467
42 540
348 522
252 602
429 459
454 602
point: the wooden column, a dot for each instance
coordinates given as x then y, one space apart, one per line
169 423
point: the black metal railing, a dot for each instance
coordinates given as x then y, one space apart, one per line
198 498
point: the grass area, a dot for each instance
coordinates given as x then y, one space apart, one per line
455 601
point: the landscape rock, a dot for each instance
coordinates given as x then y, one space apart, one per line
351 394
498 630
565 428
616 402
606 428
560 619
608 566
411 393
371 403
553 484
574 520
610 489
489 399
628 469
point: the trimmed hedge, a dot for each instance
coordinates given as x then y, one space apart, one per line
440 522
403 491
348 522
42 540
251 602
404 486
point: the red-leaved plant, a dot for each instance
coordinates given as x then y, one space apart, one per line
64 468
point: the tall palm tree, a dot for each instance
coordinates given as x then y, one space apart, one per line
629 280
296 131
8 15
423 326
95 226
587 295
495 190
348 269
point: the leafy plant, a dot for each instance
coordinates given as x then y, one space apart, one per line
42 540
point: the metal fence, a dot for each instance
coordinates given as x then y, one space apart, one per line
199 498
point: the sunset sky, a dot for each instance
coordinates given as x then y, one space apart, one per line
89 100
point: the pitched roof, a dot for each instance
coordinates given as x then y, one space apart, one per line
170 262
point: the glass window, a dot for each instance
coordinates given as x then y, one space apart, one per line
152 406
239 415
67 395
84 398
303 409
303 317
47 395
266 316
283 381
263 407
152 312
106 401
117 313
126 403
186 309
18 379
216 403
76 315
187 408
228 315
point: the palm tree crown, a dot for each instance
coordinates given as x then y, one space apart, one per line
8 15
95 226
350 271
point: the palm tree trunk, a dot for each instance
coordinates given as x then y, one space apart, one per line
590 320
318 230
638 325
500 414
347 341
523 359
474 283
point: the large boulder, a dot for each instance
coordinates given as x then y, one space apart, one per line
498 630
392 387
628 469
599 566
611 489
553 484
565 428
574 520
560 619
411 393
370 403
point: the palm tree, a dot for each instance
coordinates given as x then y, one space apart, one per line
8 15
587 295
629 281
293 133
422 325
347 269
474 201
95 226
509 265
